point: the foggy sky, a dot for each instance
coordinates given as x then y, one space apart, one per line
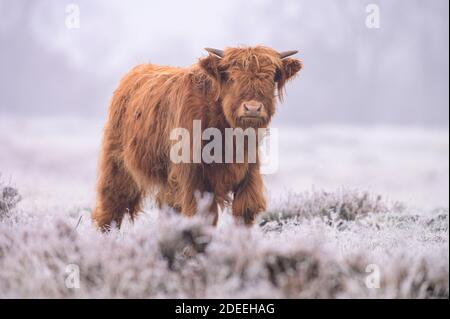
397 74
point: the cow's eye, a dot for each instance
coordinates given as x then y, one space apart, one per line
277 76
224 75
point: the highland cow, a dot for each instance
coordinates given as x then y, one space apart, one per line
233 88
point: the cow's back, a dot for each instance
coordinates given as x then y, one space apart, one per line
142 113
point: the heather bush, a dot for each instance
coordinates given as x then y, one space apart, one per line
332 207
166 255
9 197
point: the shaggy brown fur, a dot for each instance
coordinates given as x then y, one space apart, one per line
151 100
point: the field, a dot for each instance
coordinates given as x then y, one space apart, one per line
354 212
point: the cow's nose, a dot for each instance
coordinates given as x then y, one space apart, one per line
253 108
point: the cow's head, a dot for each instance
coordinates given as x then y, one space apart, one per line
248 82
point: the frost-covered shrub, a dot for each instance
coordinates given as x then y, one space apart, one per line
164 255
339 206
304 273
182 243
9 197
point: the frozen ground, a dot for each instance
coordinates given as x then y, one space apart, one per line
326 234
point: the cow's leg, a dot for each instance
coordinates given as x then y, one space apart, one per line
117 194
187 186
166 199
213 212
249 198
160 199
189 206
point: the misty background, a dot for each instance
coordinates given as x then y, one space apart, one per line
396 74
364 131
370 109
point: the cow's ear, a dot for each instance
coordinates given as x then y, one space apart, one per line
208 81
210 65
289 68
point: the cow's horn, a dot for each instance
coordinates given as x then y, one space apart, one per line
285 54
217 52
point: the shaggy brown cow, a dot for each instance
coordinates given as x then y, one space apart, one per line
233 88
